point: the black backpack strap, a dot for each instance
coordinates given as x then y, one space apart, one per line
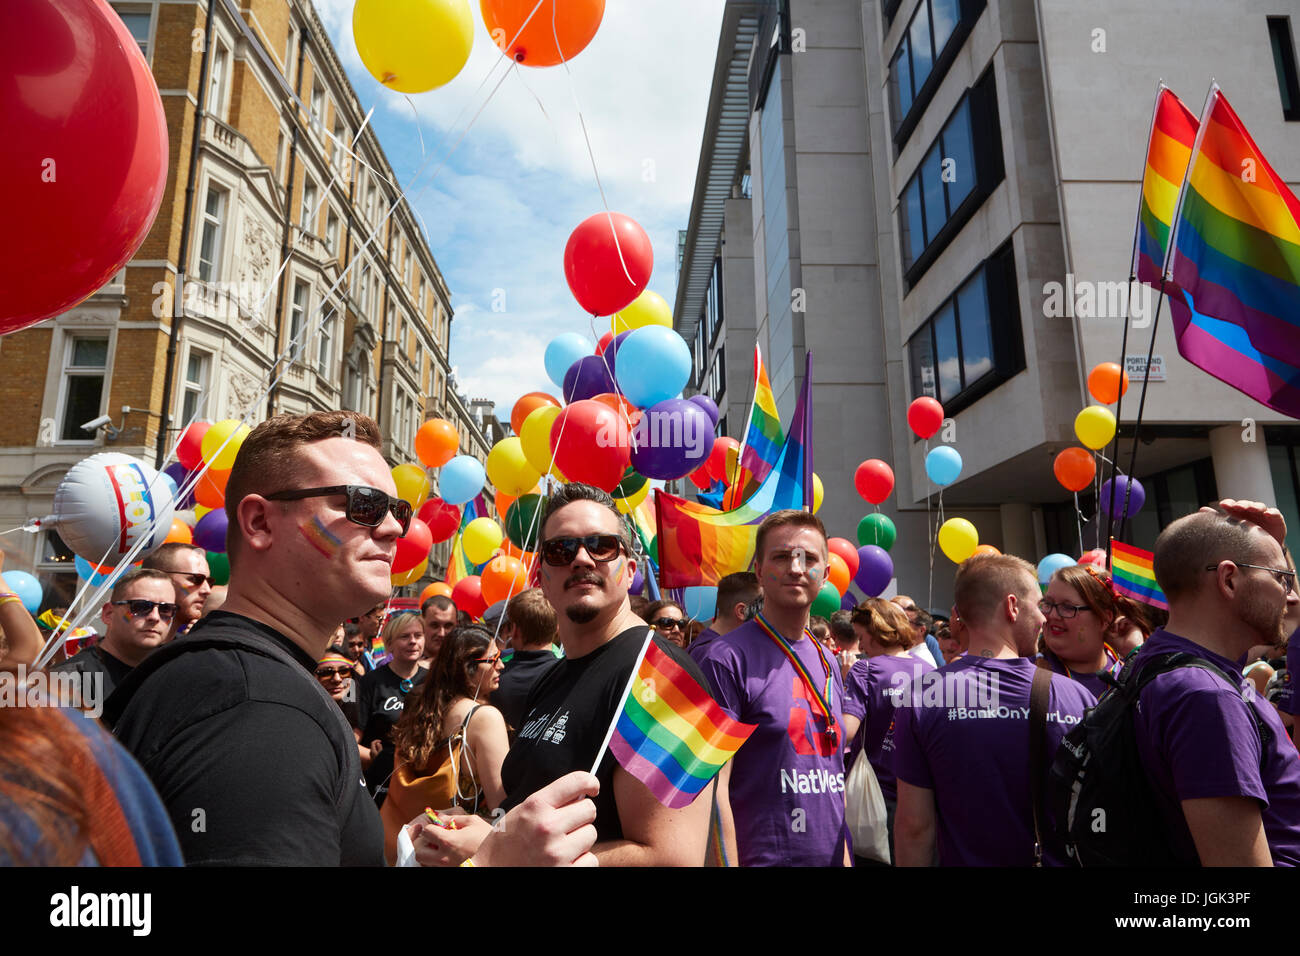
1039 694
1176 659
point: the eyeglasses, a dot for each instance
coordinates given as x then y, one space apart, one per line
1284 576
669 623
487 660
366 506
560 552
333 671
1063 610
166 610
195 578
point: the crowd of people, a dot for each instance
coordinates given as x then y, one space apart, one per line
253 725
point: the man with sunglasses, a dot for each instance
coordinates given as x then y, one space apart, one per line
187 565
139 617
1222 770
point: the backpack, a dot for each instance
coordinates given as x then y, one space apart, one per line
1101 799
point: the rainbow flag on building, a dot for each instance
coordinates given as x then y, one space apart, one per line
1173 133
762 442
1131 574
1234 286
699 545
669 733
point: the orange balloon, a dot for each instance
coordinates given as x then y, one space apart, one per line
527 404
620 404
180 532
436 442
1107 382
433 590
503 502
837 572
503 578
211 488
1074 468
531 41
985 549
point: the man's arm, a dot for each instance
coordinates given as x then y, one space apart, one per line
1227 831
726 828
914 826
654 835
851 725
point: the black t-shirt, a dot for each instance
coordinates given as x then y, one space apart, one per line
247 754
380 703
96 660
517 680
568 712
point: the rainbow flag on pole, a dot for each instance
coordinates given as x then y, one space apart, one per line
669 733
1173 133
1131 574
1235 264
763 439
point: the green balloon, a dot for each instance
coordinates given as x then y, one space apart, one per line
521 521
630 484
877 529
219 567
827 601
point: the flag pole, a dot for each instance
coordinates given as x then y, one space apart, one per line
729 496
622 700
807 434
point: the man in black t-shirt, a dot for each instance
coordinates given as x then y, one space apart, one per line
531 632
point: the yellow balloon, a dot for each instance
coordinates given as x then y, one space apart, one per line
535 438
649 308
818 493
223 459
631 502
200 511
411 576
480 540
412 484
1095 427
508 468
413 46
958 539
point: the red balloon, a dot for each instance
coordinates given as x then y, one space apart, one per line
845 550
413 547
1096 557
925 416
1074 468
874 480
442 519
701 478
715 466
468 596
591 444
84 163
189 452
604 342
594 268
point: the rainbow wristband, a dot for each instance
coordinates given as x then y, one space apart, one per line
6 597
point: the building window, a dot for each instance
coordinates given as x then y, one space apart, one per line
298 318
332 231
317 104
340 144
210 235
972 342
325 348
84 366
364 296
195 386
720 375
1279 33
308 215
957 174
217 71
139 21
928 46
713 301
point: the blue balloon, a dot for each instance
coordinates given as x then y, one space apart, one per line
461 479
1051 564
562 352
700 603
654 365
27 588
943 465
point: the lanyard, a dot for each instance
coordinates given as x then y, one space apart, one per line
1112 660
823 698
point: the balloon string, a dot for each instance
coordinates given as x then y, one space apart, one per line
931 531
21 527
416 113
555 133
622 410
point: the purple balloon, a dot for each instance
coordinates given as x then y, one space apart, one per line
875 570
176 471
848 602
673 438
638 582
587 378
709 405
210 531
611 350
1137 496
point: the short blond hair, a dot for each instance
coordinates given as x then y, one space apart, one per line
984 581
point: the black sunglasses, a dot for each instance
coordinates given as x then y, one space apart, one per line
560 552
669 623
141 608
195 578
333 671
366 506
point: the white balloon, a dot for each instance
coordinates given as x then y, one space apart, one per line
108 502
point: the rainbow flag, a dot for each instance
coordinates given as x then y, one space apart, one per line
699 545
1235 264
1132 576
1173 132
763 439
669 733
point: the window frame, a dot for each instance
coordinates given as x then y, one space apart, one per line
298 316
904 123
219 222
69 371
1282 45
146 9
187 384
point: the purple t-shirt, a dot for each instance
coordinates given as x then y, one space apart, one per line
873 692
1091 680
1287 700
787 780
1197 740
965 735
701 643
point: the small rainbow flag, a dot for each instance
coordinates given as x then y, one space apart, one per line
669 733
763 439
1132 576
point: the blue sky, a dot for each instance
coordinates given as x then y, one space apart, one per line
499 212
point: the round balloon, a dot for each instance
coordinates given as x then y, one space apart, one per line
877 529
654 365
1096 557
28 589
844 548
700 603
522 521
413 46
591 444
180 533
109 501
542 33
925 416
985 549
436 589
587 378
461 479
875 570
943 465
874 480
709 405
467 595
180 476
818 493
716 466
1074 468
413 547
508 468
412 484
594 261
222 441
837 573
189 450
480 540
436 442
1137 497
442 519
210 531
219 567
535 438
1107 382
528 403
649 308
958 539
673 438
1095 427
503 578
210 489
1051 564
561 352
827 601
85 143
411 576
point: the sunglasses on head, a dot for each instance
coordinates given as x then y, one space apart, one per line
366 506
560 552
140 608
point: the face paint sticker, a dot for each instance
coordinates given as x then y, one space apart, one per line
320 537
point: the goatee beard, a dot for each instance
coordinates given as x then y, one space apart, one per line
582 613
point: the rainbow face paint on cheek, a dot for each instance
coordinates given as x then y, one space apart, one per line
320 537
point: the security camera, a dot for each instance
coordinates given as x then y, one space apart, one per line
97 423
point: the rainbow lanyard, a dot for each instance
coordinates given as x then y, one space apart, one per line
822 698
1110 664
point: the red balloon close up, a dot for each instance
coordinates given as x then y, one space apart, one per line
594 268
